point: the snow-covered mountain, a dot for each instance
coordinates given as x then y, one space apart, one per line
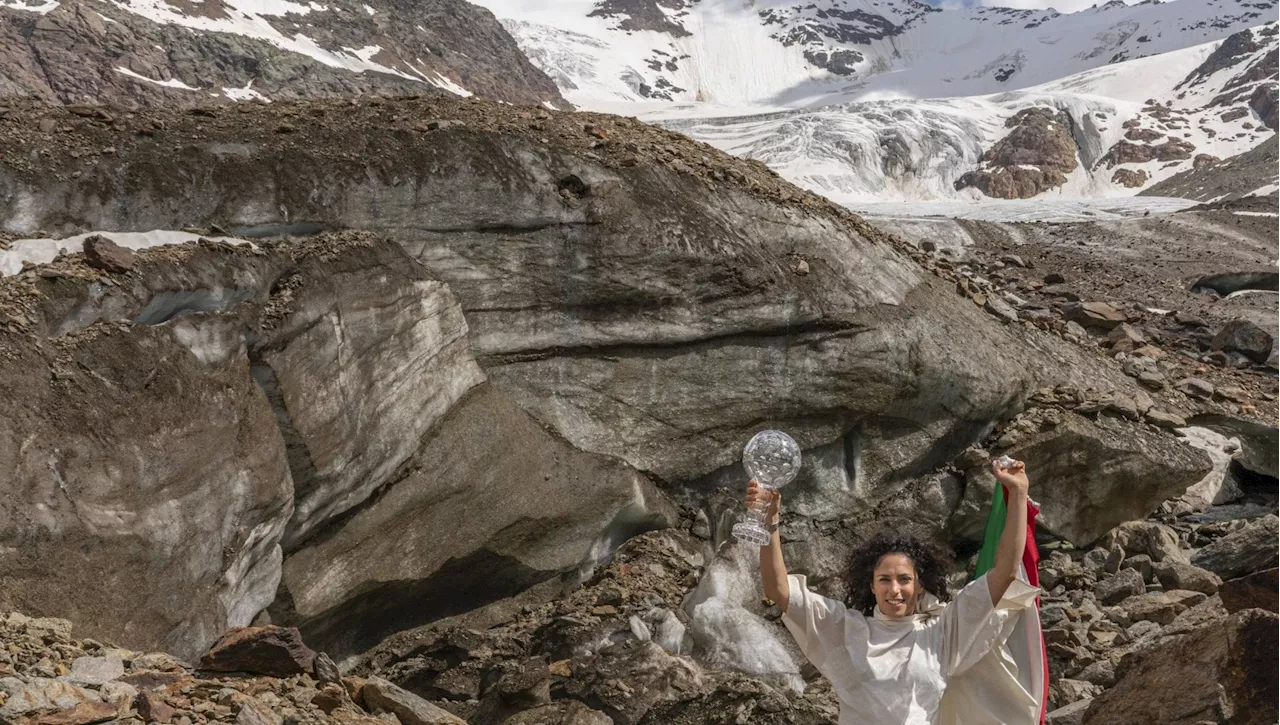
896 99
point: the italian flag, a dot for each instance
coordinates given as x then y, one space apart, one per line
1026 644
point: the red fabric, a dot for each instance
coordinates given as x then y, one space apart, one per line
1031 563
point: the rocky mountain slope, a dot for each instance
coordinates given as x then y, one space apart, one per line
1252 172
902 101
131 53
460 388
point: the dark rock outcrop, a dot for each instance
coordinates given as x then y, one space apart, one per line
1034 157
1223 671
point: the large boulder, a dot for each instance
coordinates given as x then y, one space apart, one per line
146 484
1224 671
1254 591
1253 547
1089 476
1246 338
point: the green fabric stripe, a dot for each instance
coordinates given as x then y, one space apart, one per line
991 539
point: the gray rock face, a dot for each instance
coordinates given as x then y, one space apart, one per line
494 504
140 461
357 379
333 358
73 54
1244 551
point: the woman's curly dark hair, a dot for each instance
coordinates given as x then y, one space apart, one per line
931 562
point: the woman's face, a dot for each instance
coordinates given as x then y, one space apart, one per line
895 585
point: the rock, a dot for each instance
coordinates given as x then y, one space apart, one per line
1120 586
1125 337
1140 563
1111 468
1101 673
1246 338
408 707
1093 314
1260 442
253 712
1072 714
276 651
1154 607
1168 421
325 670
1257 590
94 671
1013 260
1186 598
82 714
40 695
1222 669
1070 690
568 712
1130 177
1054 278
631 680
153 708
1244 551
104 254
1180 575
1001 309
1030 159
1157 541
1196 388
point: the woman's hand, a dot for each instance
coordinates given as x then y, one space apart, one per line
1014 477
764 499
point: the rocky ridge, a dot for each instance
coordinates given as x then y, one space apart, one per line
104 52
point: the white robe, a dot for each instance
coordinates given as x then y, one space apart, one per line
894 671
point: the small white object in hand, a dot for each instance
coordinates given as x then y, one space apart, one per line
1003 463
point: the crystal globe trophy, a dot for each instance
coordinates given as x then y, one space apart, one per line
772 459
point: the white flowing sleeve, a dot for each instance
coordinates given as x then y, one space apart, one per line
971 627
815 621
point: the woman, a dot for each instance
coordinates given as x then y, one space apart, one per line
891 665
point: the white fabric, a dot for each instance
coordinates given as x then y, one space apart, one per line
894 671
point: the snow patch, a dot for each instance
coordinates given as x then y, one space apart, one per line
171 83
38 7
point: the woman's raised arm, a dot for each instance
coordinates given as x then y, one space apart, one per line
1014 537
773 571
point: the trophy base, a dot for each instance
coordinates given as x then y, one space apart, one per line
751 534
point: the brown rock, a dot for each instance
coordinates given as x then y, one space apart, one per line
1224 671
1125 337
1093 314
152 709
1129 177
330 698
82 714
1254 591
276 651
104 254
